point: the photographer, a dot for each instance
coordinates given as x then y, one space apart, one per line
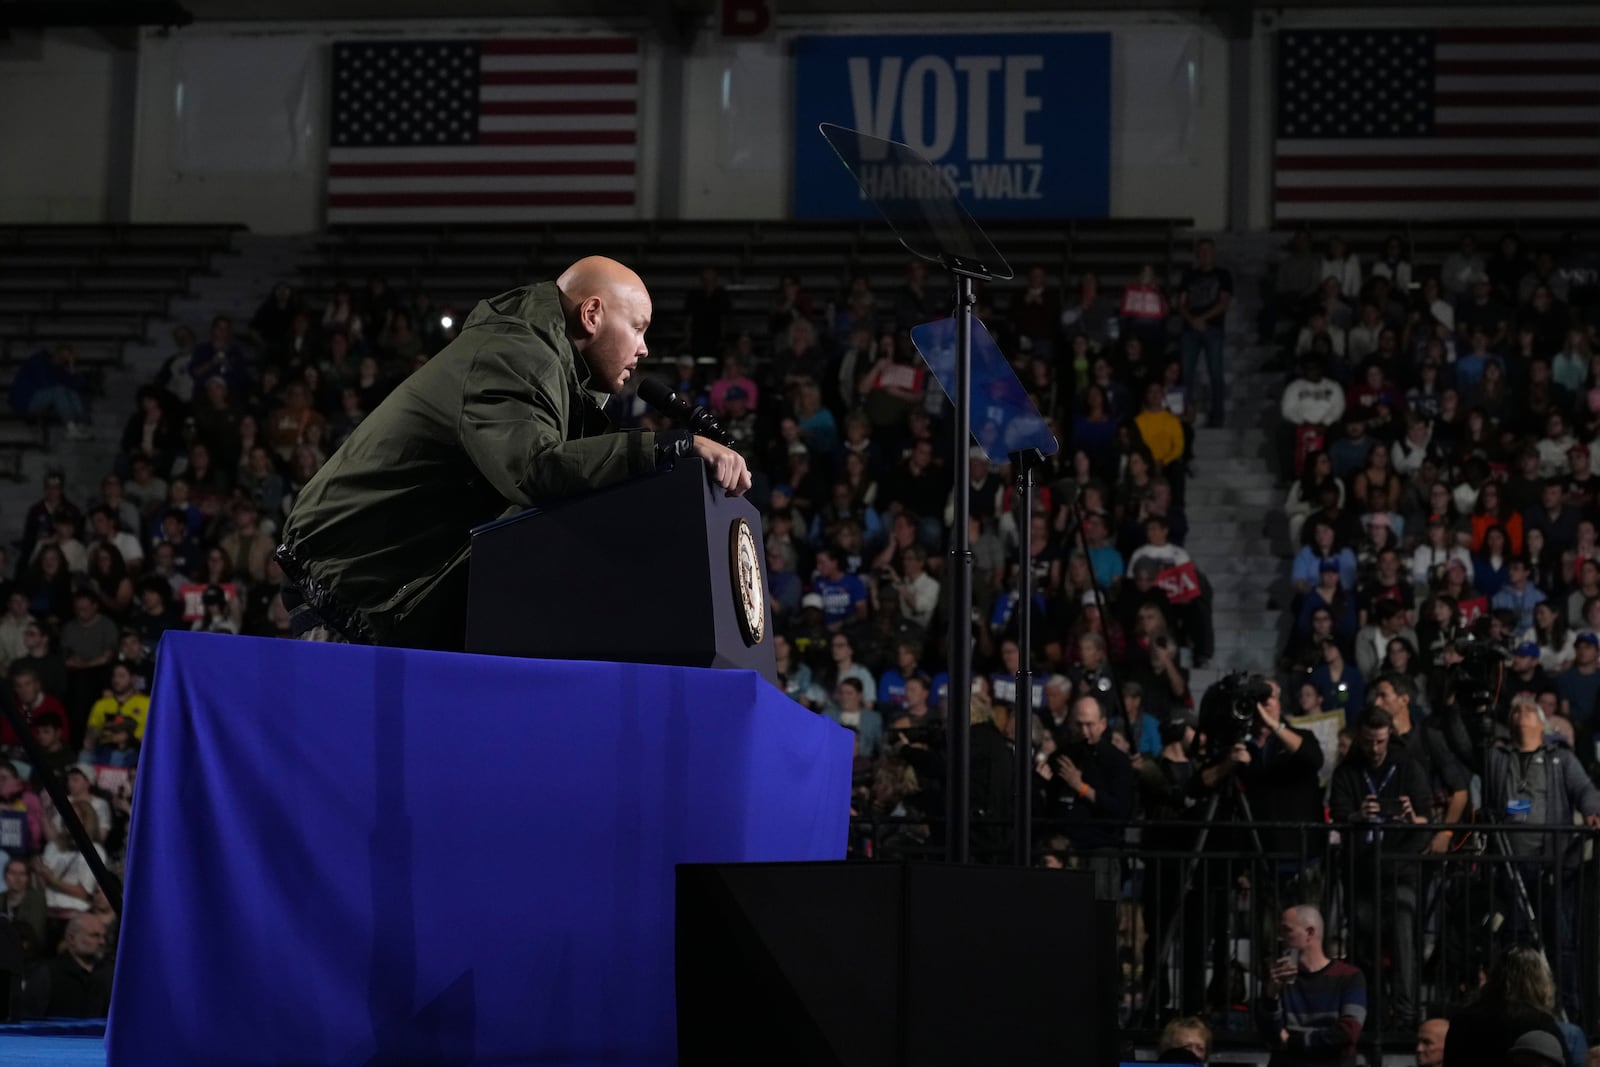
1384 787
1276 764
1255 766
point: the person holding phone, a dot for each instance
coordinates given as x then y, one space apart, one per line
1312 1008
1384 794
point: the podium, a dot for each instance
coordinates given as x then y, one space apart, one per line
665 569
345 855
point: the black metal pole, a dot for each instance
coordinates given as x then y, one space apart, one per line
958 725
110 884
1023 787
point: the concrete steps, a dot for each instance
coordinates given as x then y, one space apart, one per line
1233 497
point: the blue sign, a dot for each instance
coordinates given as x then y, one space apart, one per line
1019 123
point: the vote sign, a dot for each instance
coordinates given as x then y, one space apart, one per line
1019 123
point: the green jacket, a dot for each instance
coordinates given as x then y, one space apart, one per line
500 419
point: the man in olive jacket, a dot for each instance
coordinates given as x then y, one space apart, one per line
507 415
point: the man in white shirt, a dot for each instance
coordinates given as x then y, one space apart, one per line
103 521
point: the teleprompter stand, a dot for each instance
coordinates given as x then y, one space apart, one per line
920 206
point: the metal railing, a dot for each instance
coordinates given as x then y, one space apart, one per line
1197 930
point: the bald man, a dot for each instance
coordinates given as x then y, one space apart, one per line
507 415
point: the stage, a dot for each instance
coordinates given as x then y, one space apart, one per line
409 857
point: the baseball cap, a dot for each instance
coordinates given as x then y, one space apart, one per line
811 600
115 721
1528 648
1542 1045
798 448
1587 638
1090 599
78 768
1328 565
1443 313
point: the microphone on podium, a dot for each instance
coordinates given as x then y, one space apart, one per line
670 402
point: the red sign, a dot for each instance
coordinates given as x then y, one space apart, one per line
194 599
1472 609
1181 583
1307 439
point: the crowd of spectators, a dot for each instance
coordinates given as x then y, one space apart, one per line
1434 437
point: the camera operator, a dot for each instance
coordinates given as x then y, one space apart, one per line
1258 767
1092 787
1533 781
1384 786
1275 764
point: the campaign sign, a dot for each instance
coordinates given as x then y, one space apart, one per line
13 832
1019 123
1181 583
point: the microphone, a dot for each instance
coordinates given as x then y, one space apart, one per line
669 402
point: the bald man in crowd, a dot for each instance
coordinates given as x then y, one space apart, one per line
505 416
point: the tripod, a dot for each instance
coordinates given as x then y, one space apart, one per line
1158 962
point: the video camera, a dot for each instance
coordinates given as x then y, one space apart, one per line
1228 710
1475 685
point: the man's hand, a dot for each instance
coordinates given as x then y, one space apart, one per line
1439 843
1240 755
1370 808
725 466
1592 821
1268 719
1070 773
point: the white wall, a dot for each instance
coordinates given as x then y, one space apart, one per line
738 113
59 91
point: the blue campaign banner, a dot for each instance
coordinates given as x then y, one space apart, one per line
1020 123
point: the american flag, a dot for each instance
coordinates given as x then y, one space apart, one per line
1448 123
484 130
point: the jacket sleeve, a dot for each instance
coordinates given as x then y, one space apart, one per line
1114 799
1343 804
1585 797
513 425
1289 406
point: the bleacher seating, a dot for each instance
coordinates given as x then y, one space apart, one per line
95 287
459 265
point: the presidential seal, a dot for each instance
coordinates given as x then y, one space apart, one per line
749 593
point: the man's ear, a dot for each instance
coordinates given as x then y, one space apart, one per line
590 312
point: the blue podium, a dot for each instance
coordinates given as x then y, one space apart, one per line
345 855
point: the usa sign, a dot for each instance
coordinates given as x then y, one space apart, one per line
1019 123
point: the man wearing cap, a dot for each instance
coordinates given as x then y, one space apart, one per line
1525 675
1579 684
123 700
507 415
1519 594
117 745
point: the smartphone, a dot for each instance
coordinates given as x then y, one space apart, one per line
1292 955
